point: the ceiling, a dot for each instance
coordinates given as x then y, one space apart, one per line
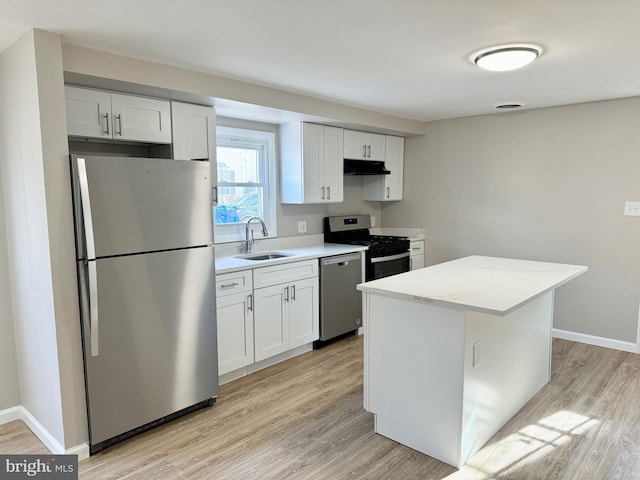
408 58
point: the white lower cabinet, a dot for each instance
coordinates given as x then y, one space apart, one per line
416 250
287 312
304 319
265 312
271 322
234 308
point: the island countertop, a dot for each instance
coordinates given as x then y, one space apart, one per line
486 284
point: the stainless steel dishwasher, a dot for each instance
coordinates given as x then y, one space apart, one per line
340 301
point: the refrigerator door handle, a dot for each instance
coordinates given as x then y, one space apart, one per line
93 307
87 224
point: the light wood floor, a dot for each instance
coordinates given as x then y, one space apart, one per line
303 419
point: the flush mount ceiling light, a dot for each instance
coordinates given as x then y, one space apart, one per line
506 57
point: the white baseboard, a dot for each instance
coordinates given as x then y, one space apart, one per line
597 341
254 367
42 433
82 451
10 415
21 413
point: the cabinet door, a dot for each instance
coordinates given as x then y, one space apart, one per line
88 112
416 261
354 145
333 164
314 190
363 145
193 131
394 162
271 327
375 146
235 331
194 136
387 187
141 119
304 323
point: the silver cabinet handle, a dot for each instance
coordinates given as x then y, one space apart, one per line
119 131
286 293
106 122
293 293
215 195
250 302
322 193
229 285
388 191
328 193
369 147
416 248
364 151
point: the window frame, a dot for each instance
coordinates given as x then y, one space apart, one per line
246 137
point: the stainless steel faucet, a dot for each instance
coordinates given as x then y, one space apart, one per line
249 240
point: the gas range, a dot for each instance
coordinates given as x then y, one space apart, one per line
387 255
382 245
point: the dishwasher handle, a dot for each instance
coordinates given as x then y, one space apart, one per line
341 260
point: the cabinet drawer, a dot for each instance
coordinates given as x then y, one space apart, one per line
288 272
235 282
417 247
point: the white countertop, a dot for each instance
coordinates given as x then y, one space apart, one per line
487 284
234 264
412 233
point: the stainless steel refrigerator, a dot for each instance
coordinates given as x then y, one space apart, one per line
144 237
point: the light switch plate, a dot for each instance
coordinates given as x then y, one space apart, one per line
632 209
302 226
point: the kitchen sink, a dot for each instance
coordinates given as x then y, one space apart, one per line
264 256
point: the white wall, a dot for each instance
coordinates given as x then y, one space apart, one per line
547 185
39 228
9 389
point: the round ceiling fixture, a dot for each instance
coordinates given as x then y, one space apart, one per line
506 57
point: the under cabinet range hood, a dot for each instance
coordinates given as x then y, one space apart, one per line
364 167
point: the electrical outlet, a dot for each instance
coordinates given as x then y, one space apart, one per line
632 209
302 226
373 221
476 354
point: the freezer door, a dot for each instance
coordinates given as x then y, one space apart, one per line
156 332
130 205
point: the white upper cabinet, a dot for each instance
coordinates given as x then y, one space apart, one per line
311 163
88 112
99 114
141 119
387 187
364 146
194 131
194 136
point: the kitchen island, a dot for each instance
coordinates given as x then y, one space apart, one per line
453 351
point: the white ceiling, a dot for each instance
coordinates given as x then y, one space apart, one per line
403 57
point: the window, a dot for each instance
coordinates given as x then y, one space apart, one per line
246 182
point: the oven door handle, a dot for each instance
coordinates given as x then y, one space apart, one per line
389 258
